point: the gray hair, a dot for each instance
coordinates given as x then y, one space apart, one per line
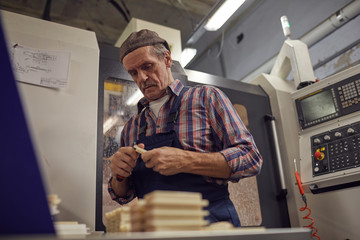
159 50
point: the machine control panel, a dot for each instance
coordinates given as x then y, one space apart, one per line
336 150
328 103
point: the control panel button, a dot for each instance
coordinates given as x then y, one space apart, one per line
350 131
317 141
327 138
338 134
319 155
338 150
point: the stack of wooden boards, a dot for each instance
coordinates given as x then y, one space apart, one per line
65 228
71 229
171 211
165 211
54 202
118 220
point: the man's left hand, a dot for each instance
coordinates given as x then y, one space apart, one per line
165 160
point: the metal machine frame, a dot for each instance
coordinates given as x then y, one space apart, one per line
294 139
329 125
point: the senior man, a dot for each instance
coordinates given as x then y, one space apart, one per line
194 138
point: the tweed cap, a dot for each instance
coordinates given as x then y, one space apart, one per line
139 39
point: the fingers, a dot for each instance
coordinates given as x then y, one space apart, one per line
164 160
123 162
157 159
141 145
149 163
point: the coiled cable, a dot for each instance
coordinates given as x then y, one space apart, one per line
302 209
307 217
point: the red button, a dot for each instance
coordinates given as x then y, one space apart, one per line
317 155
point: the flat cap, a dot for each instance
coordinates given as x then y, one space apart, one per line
139 39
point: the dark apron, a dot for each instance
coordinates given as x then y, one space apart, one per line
146 180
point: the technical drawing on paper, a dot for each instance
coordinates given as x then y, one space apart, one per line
40 67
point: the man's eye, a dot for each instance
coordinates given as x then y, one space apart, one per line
146 66
132 73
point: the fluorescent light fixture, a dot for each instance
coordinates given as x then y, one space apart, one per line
224 12
109 123
186 55
133 99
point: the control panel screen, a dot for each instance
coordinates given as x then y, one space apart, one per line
330 102
318 106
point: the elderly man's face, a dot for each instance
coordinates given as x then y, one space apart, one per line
151 74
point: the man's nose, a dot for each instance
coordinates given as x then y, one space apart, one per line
142 76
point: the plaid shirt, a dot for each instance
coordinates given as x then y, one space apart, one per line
207 122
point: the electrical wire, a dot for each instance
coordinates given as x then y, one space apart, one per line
126 9
120 9
220 47
191 19
307 217
47 10
96 24
302 209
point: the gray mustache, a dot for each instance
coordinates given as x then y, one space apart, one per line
147 84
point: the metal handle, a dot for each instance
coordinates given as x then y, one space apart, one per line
277 150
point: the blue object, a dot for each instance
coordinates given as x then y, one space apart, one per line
23 203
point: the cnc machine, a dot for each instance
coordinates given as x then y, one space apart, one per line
316 130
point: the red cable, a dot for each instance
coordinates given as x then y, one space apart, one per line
307 217
314 229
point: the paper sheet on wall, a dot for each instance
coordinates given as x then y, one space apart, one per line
40 67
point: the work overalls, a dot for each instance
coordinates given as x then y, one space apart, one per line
146 180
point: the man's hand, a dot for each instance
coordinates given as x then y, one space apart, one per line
165 160
170 161
124 161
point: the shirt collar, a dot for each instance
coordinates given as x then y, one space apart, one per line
174 88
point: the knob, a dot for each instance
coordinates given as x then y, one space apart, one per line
317 141
319 155
338 134
350 131
327 138
316 169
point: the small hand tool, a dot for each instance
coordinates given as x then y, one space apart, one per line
297 176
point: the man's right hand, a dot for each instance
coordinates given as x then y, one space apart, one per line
123 162
122 165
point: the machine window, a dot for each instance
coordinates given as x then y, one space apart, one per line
117 111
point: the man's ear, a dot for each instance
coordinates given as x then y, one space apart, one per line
168 59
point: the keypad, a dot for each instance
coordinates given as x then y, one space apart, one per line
344 154
348 94
340 148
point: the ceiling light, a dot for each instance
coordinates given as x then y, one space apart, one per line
186 55
224 12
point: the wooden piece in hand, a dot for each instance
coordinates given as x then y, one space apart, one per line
139 150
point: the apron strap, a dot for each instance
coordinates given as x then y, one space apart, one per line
173 115
174 112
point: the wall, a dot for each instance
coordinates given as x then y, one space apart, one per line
63 122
